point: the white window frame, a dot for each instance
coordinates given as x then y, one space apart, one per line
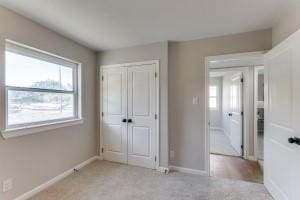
33 127
216 97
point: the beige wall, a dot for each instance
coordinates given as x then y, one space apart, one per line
157 51
182 65
34 159
287 25
260 87
187 79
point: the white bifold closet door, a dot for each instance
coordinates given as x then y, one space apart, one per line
129 108
114 109
141 110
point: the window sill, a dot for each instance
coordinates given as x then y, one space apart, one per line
17 132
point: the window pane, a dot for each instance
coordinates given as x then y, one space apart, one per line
66 78
24 71
30 107
213 102
213 91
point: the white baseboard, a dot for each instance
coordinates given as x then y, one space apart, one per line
163 170
188 170
47 184
252 158
100 157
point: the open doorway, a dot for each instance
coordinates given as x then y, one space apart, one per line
226 112
231 143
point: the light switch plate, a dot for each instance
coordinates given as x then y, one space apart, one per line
172 154
195 100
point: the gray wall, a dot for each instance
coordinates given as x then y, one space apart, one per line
287 25
157 51
182 78
34 159
187 79
215 115
260 87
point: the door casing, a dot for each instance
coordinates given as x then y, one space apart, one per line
256 70
156 62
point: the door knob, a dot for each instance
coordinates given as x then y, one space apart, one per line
294 140
230 114
124 120
129 120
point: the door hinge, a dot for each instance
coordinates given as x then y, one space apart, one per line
155 158
102 150
242 80
102 78
155 116
242 113
242 147
155 74
102 114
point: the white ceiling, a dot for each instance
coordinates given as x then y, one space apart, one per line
111 24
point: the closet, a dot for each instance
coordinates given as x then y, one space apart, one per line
129 113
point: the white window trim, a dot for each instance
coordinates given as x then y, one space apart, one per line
27 130
31 128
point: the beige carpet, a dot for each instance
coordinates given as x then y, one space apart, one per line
103 180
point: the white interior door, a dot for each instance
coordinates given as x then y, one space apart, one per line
141 115
236 108
114 110
282 119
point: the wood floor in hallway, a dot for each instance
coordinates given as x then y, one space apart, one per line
235 168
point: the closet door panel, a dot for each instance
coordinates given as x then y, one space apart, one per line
114 108
141 112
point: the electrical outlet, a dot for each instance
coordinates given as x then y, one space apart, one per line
7 185
172 154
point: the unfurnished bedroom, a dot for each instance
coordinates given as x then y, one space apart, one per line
149 100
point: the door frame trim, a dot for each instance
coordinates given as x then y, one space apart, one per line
248 59
157 86
255 94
